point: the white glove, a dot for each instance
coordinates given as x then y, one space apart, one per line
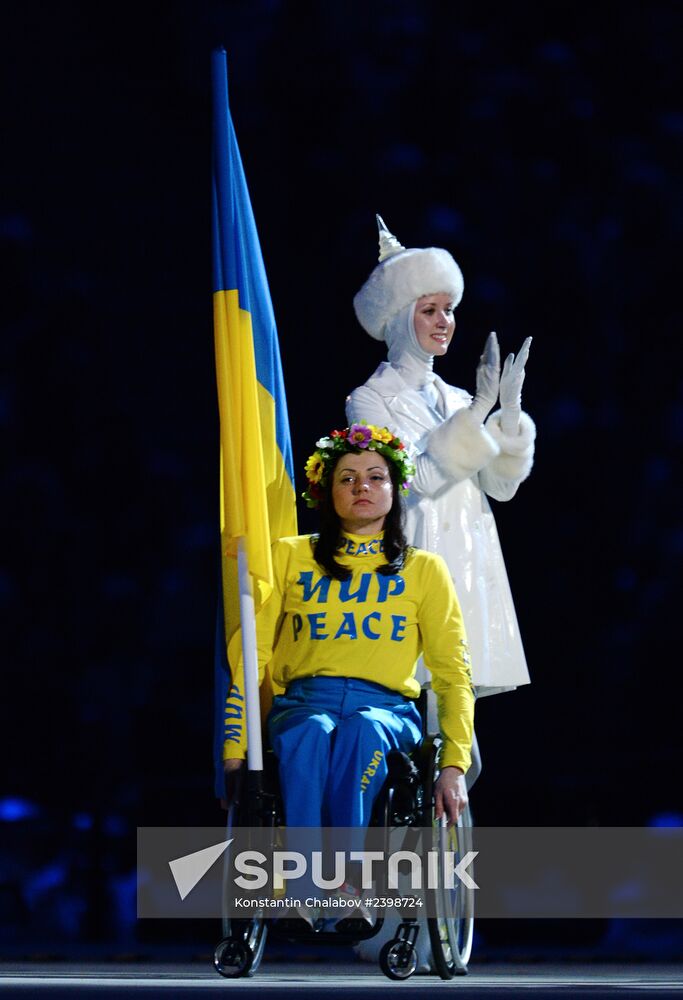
488 380
511 382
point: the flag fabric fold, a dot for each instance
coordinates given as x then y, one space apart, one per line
257 498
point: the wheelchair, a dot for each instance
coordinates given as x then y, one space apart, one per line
405 801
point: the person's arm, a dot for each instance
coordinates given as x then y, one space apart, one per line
508 434
268 623
446 654
502 477
512 430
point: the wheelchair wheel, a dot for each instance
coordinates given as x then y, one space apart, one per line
398 959
452 926
233 958
241 949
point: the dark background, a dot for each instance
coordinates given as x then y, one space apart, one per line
542 149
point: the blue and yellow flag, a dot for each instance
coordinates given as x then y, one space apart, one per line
257 498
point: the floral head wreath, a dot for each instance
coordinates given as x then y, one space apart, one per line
356 439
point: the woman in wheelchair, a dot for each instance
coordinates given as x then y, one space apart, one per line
351 611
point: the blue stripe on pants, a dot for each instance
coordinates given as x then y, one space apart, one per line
331 736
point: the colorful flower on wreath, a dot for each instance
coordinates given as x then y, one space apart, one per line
360 435
381 434
315 467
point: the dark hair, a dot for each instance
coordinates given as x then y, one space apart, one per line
326 544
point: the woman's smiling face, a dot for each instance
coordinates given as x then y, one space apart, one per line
434 322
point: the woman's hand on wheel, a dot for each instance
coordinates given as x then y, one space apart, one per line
450 794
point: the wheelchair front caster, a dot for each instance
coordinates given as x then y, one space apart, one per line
398 959
233 958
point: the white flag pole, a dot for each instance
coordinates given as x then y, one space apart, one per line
252 703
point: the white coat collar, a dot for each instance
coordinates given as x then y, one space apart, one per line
408 402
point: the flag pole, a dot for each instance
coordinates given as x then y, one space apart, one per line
251 686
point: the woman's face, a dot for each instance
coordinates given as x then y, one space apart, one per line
362 492
434 323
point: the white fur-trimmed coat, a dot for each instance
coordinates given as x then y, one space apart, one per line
458 463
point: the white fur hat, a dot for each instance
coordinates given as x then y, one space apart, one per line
401 277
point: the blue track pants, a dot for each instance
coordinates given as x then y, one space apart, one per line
331 736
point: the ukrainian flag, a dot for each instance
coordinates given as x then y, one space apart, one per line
257 498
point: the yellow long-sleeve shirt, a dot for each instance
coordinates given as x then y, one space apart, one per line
371 627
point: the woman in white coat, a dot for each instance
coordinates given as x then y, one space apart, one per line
462 451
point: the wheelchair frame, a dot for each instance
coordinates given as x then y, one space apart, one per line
403 802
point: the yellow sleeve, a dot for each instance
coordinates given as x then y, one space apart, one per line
268 622
446 654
